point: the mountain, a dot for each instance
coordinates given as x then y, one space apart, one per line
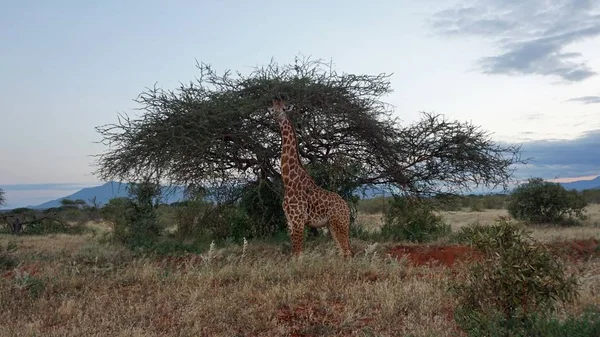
581 185
113 189
104 193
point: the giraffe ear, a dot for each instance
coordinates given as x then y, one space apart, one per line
271 110
289 107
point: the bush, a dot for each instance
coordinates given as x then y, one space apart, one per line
114 213
514 279
585 325
134 219
470 234
540 201
7 260
187 216
592 195
477 207
24 221
261 202
412 220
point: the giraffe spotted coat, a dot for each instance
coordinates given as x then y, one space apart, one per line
305 203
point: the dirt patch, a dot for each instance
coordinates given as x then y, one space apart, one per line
576 250
440 255
418 255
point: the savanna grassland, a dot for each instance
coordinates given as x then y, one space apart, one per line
80 285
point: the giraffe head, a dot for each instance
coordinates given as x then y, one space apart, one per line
279 109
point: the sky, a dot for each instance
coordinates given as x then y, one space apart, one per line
526 71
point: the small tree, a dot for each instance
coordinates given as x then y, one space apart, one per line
78 203
514 280
542 201
134 219
2 198
413 220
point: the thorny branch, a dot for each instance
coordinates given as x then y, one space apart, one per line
217 129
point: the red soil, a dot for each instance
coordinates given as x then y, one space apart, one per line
576 249
442 255
418 255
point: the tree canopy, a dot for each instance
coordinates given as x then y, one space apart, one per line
543 201
217 129
2 199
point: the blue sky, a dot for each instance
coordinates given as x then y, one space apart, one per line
527 71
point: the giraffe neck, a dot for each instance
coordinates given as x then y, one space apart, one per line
291 166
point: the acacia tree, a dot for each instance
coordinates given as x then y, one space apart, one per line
217 130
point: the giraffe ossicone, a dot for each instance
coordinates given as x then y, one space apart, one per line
304 202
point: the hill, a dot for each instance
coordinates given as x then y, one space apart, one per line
113 189
104 193
581 185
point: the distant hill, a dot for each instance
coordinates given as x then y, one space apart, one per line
113 189
581 185
104 193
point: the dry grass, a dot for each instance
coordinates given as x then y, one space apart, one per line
370 222
102 291
545 233
67 285
458 219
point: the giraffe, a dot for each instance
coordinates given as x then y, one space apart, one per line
304 202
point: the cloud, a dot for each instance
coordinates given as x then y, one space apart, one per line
585 99
532 117
531 35
562 158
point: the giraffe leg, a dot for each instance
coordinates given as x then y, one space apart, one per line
297 236
340 231
296 220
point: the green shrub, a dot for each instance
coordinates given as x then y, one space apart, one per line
586 325
514 279
135 221
262 204
38 222
448 202
477 206
7 261
493 201
114 213
534 325
472 233
412 220
187 216
592 195
34 285
540 201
